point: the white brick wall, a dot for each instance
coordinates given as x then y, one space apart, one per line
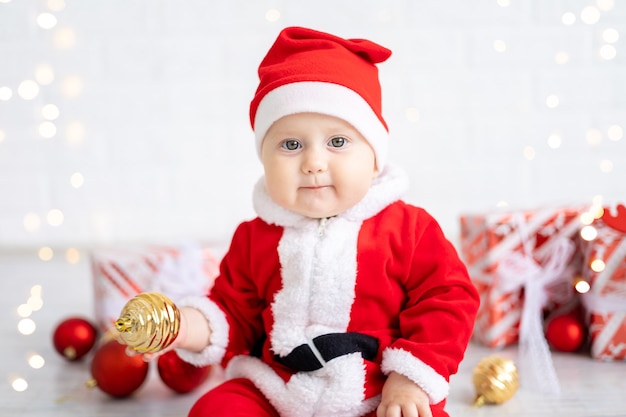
153 99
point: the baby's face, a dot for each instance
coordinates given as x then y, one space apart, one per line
316 165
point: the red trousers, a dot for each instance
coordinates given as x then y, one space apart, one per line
235 398
240 398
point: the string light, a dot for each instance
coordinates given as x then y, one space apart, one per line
606 166
19 384
35 301
75 133
568 18
581 286
46 20
44 74
552 101
77 180
31 222
412 114
45 253
72 256
561 58
615 132
499 45
590 15
597 265
554 141
26 326
610 35
5 93
24 310
586 218
72 87
594 137
588 233
605 5
47 130
35 361
28 89
607 52
55 217
272 15
64 38
56 5
50 112
2 135
529 153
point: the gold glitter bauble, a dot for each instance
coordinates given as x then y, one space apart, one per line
495 380
149 322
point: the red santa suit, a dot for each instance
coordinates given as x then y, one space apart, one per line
382 269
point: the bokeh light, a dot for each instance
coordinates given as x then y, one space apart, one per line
568 18
552 101
32 222
46 20
272 15
72 256
5 93
55 217
19 384
28 89
77 180
590 15
44 74
26 326
45 253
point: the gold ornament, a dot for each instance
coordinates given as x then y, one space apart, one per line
149 322
495 380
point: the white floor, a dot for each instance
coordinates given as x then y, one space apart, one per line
590 388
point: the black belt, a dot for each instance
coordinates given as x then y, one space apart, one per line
330 346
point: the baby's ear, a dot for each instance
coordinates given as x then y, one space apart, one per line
376 172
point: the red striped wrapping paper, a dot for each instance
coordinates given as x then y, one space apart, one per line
121 273
488 239
606 300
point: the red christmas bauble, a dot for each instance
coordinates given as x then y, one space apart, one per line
565 333
116 373
179 375
74 337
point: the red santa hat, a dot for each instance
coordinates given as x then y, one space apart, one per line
310 71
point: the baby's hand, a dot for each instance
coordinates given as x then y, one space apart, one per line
193 340
147 356
402 397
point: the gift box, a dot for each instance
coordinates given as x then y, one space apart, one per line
506 253
605 271
176 271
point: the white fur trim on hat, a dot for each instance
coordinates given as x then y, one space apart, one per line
325 98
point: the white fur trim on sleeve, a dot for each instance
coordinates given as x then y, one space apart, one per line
403 362
215 351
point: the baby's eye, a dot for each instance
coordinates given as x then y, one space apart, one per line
337 142
291 145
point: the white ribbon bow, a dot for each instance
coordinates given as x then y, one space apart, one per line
520 270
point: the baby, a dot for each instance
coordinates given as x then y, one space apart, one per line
339 299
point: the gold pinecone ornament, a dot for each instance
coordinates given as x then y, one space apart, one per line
495 380
149 322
